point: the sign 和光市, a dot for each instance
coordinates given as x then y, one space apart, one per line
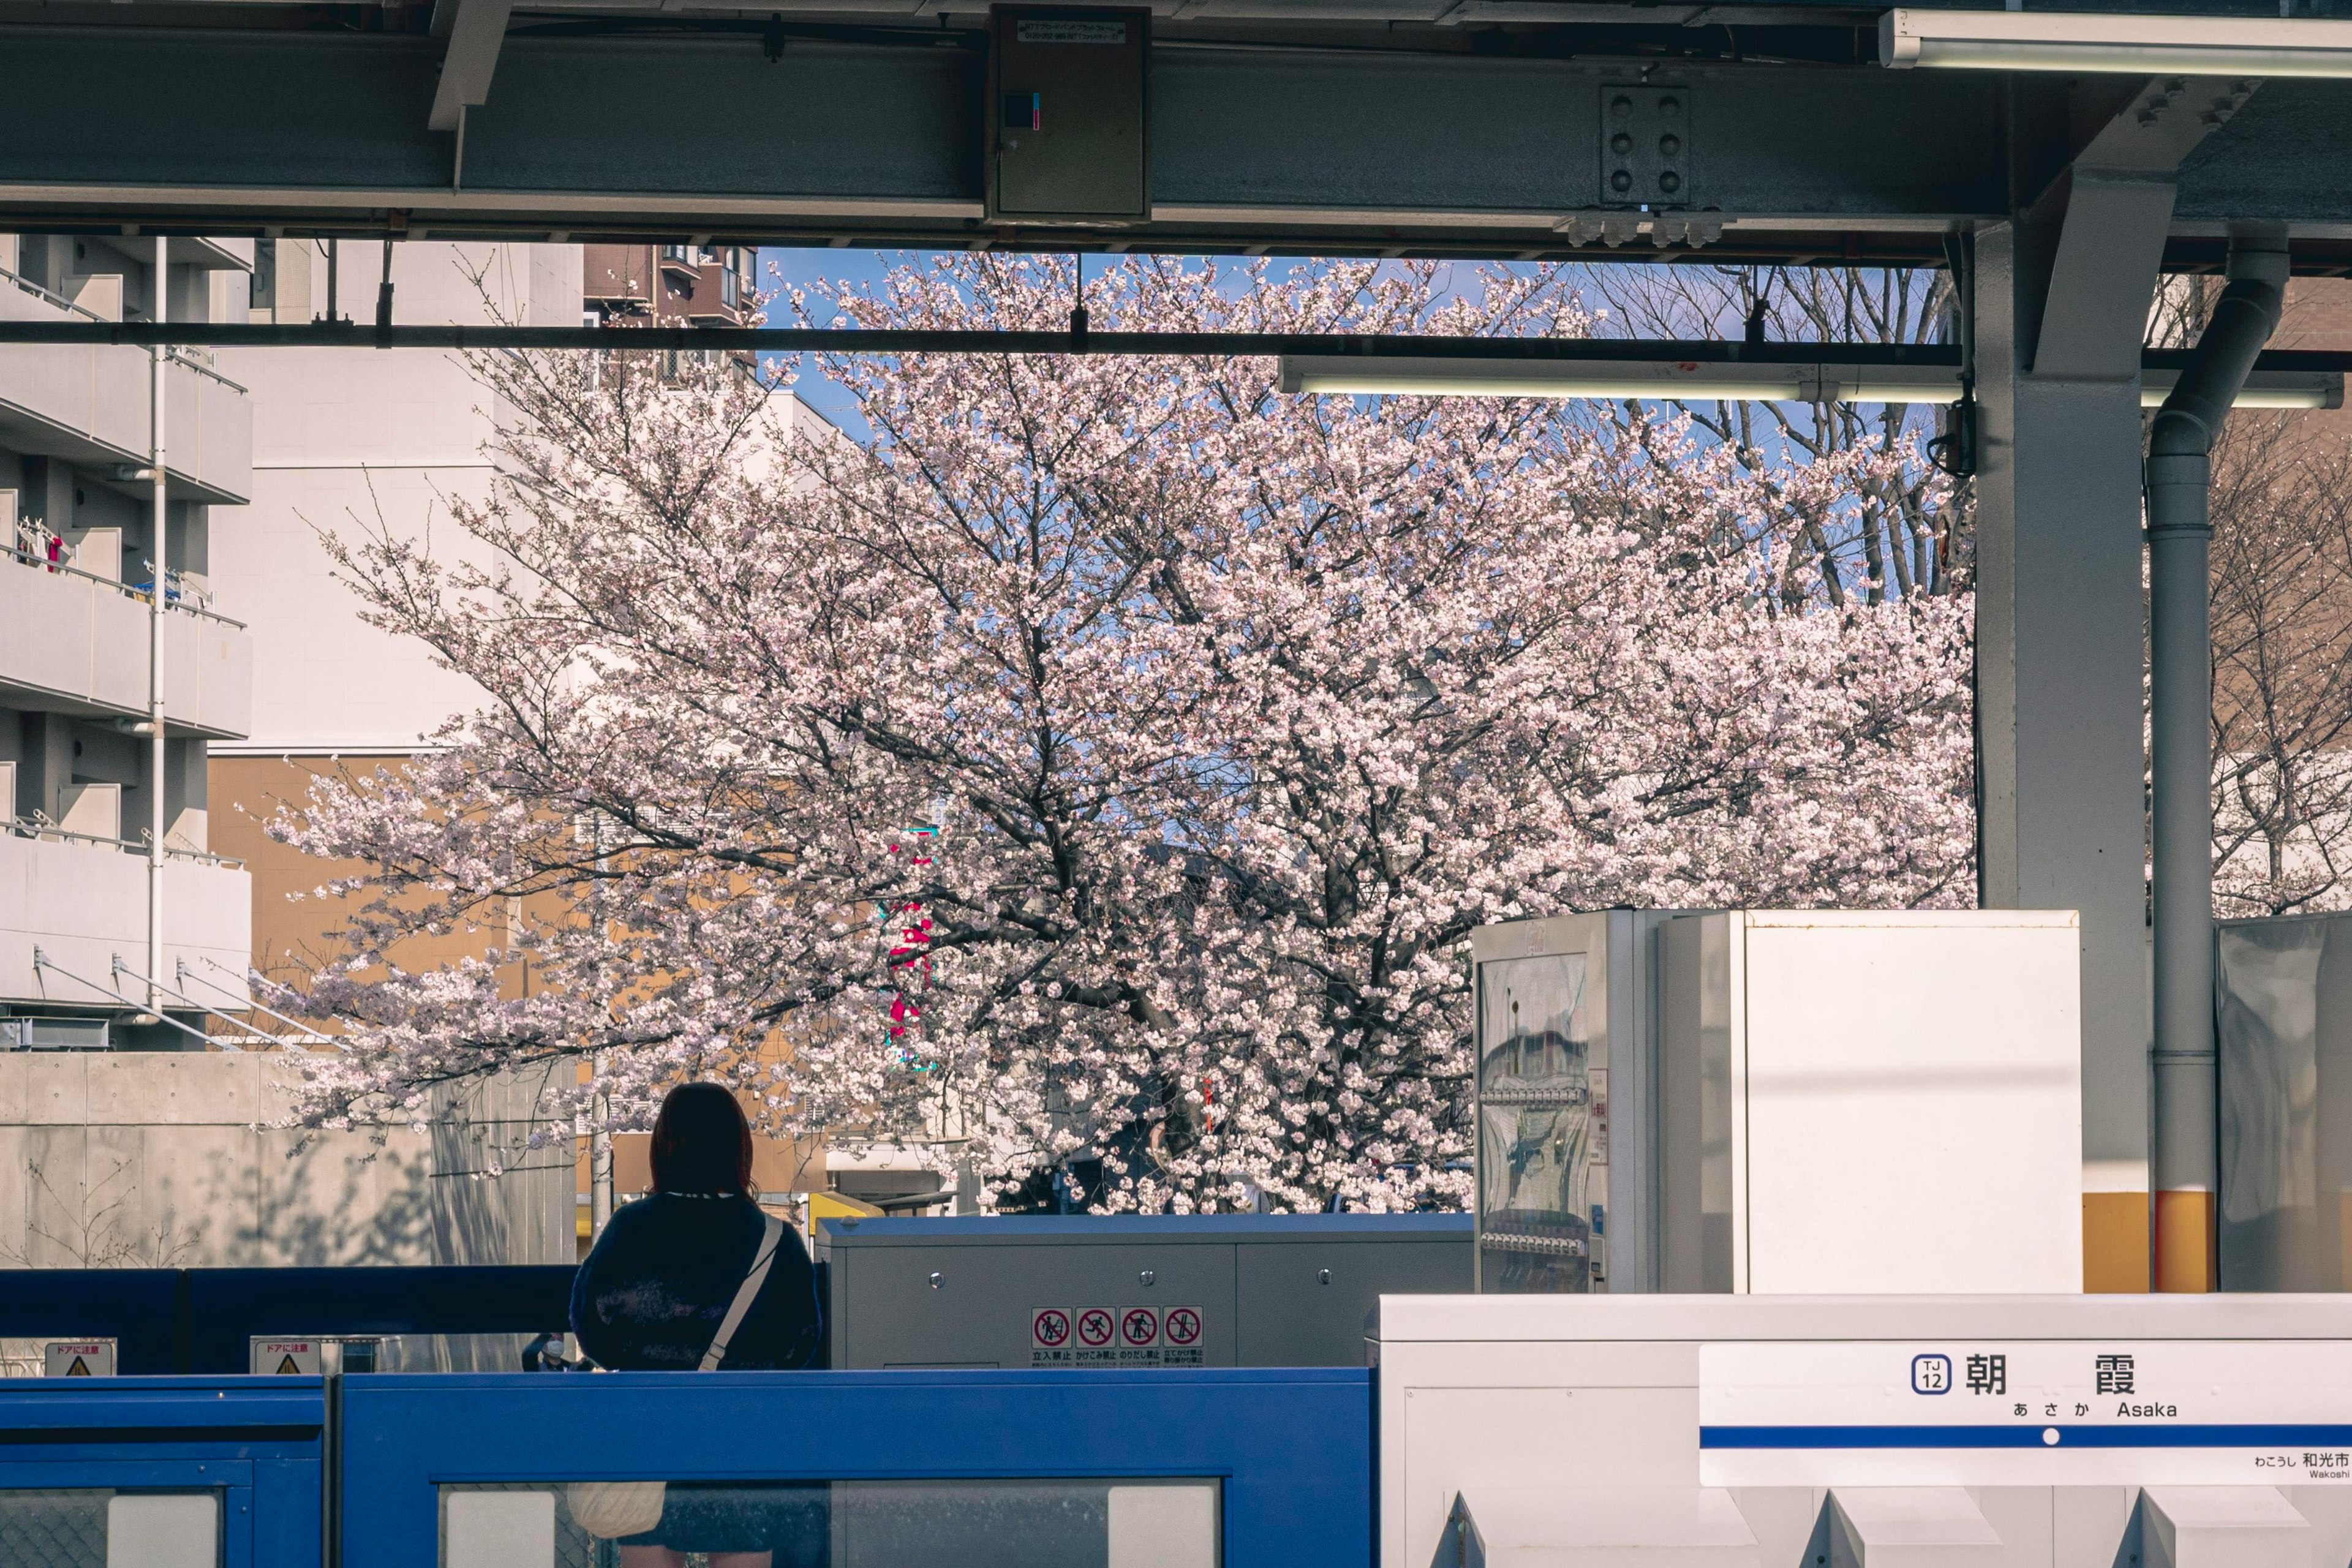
2068 1413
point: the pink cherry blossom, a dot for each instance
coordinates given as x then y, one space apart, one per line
1223 716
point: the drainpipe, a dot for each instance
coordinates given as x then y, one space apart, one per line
2181 680
161 541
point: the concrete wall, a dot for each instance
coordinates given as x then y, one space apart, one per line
143 1160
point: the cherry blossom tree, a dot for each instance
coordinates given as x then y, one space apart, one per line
1106 758
2282 618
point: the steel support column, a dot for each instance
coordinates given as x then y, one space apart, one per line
2062 292
2058 685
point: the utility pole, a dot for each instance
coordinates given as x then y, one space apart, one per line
600 1130
159 545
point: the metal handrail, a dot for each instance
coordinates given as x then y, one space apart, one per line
42 291
40 826
127 589
42 961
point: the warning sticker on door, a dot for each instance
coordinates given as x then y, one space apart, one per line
1179 1337
1139 1336
77 1358
1049 1337
1098 1336
1115 1336
285 1358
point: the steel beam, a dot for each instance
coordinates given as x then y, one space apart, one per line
266 128
872 135
477 31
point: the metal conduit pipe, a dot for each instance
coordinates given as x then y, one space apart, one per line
2187 1165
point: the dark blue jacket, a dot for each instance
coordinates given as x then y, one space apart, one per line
651 1295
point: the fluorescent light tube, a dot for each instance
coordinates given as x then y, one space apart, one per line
1692 381
2264 389
2077 41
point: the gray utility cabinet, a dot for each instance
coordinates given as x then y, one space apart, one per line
1125 1290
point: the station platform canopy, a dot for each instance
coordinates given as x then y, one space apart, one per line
1765 130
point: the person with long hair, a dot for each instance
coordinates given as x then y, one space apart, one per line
658 1290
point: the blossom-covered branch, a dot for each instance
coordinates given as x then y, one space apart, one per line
1223 716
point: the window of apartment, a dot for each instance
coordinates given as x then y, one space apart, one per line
265 274
731 290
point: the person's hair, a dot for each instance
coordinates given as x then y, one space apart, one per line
703 1141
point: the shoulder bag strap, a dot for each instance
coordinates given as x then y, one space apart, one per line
771 1236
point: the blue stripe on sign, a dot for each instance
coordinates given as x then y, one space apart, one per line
2025 1437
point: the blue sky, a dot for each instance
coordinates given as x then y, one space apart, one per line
780 269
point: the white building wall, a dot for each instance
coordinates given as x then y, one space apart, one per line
356 441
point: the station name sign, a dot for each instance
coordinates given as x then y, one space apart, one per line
2026 1413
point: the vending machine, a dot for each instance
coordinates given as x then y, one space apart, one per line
1566 1060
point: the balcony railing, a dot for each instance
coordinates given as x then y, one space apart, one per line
176 596
199 359
93 404
38 825
82 637
69 910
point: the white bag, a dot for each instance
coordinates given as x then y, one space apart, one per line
610 1509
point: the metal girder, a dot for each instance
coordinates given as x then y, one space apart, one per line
476 31
2118 198
877 141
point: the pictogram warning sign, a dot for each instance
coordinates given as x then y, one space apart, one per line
1049 1337
285 1358
1179 1337
1121 1336
77 1358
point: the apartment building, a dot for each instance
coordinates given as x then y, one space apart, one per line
361 441
78 552
110 1155
667 285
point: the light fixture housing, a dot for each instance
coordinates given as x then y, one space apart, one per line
1698 381
2245 47
1686 379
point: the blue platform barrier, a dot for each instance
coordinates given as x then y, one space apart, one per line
256 1445
227 1307
1292 1450
144 1311
1287 1453
203 1319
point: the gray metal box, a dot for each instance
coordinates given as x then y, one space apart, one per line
1127 1291
1066 118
